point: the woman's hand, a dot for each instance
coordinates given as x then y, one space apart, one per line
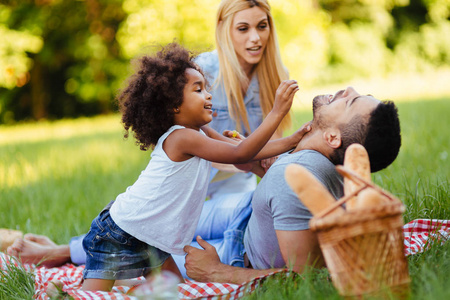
234 135
266 163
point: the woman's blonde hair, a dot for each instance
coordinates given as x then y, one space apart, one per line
270 70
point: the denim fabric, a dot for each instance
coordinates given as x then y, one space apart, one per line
113 254
222 224
239 182
77 253
209 62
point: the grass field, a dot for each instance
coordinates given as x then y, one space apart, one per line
55 177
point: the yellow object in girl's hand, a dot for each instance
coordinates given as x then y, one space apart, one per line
235 134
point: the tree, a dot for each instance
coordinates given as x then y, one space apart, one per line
76 69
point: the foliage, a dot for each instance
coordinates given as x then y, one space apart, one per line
68 58
154 22
76 69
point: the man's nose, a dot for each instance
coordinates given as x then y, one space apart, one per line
349 91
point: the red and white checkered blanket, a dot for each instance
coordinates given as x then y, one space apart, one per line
418 235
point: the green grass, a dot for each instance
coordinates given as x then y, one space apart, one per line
16 282
56 176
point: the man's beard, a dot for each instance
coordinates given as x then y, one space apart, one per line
317 103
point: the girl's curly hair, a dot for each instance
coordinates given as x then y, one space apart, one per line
147 103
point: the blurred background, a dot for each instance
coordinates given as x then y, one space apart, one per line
65 59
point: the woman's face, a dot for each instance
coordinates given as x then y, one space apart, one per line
250 32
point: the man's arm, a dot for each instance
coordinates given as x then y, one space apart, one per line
205 266
299 248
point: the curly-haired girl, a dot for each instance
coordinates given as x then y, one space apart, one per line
167 106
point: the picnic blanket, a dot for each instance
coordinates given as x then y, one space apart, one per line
418 235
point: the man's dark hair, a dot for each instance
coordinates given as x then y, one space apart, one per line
380 136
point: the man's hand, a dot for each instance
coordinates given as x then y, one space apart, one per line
201 264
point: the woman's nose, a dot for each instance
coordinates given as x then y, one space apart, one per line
254 36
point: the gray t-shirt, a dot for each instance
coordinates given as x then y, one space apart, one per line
277 207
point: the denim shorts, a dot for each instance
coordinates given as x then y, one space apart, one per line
222 223
113 254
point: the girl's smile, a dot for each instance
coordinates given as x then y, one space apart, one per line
196 108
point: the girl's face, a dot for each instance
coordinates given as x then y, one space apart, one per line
250 32
196 108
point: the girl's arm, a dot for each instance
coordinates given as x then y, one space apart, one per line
275 147
210 132
278 146
185 143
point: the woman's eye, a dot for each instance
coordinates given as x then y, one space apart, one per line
242 29
263 26
198 90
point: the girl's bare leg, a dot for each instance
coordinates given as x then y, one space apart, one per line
93 284
171 266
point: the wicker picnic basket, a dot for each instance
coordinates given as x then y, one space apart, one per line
363 248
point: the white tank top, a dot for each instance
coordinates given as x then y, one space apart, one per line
163 206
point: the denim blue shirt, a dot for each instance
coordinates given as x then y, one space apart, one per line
209 62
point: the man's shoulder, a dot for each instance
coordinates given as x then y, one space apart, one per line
315 162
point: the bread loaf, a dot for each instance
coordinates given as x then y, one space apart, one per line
356 160
309 190
7 237
369 197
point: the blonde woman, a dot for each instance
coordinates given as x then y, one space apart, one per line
244 71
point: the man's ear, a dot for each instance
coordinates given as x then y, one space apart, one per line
333 138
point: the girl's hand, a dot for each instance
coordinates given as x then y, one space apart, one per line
300 133
285 95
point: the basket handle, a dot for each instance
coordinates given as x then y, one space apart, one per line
357 179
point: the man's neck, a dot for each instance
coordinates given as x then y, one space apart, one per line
313 140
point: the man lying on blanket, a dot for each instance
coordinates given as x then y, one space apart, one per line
276 231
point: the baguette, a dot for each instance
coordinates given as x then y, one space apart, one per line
309 190
7 237
369 197
356 160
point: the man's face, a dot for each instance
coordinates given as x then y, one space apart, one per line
329 110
